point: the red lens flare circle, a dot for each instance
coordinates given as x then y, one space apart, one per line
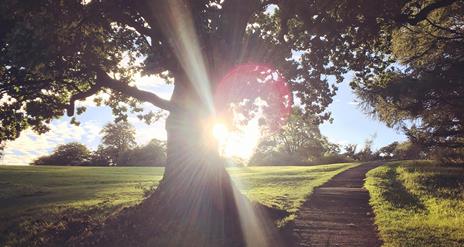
254 90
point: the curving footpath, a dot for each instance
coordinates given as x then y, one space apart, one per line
338 213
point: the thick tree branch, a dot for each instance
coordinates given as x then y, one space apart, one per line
79 96
104 80
129 21
423 13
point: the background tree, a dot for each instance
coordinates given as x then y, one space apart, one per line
118 138
70 154
2 149
100 157
426 83
350 151
152 154
299 141
408 151
388 151
367 153
300 136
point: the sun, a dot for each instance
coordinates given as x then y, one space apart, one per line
220 132
240 142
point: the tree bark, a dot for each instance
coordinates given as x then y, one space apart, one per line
196 189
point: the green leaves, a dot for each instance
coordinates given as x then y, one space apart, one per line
427 85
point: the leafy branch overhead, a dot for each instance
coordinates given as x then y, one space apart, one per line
423 92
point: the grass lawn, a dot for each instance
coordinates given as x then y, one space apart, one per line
34 201
418 203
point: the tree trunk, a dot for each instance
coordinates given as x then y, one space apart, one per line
199 191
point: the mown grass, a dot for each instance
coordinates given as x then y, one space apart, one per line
39 201
418 203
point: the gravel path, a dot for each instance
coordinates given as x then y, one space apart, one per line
338 213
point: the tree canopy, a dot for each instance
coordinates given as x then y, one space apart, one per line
70 154
426 83
299 141
151 154
54 53
117 140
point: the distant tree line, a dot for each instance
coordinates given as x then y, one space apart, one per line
118 148
2 147
394 151
300 142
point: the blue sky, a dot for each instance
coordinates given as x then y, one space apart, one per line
350 125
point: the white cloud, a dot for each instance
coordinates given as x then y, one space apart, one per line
148 82
89 101
355 103
147 132
31 145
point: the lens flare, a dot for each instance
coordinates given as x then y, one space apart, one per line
251 91
253 98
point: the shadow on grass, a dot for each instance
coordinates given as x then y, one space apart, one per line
398 195
54 227
447 184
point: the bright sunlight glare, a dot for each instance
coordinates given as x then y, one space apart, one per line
220 132
240 143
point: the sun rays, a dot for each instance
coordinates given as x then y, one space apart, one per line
233 131
240 142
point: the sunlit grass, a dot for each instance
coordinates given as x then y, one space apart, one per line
284 187
33 200
418 203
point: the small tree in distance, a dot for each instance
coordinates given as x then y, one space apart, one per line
298 142
350 151
2 148
118 138
70 154
152 154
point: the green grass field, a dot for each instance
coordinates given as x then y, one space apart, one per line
418 203
34 201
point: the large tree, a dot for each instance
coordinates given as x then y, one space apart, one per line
424 82
56 52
